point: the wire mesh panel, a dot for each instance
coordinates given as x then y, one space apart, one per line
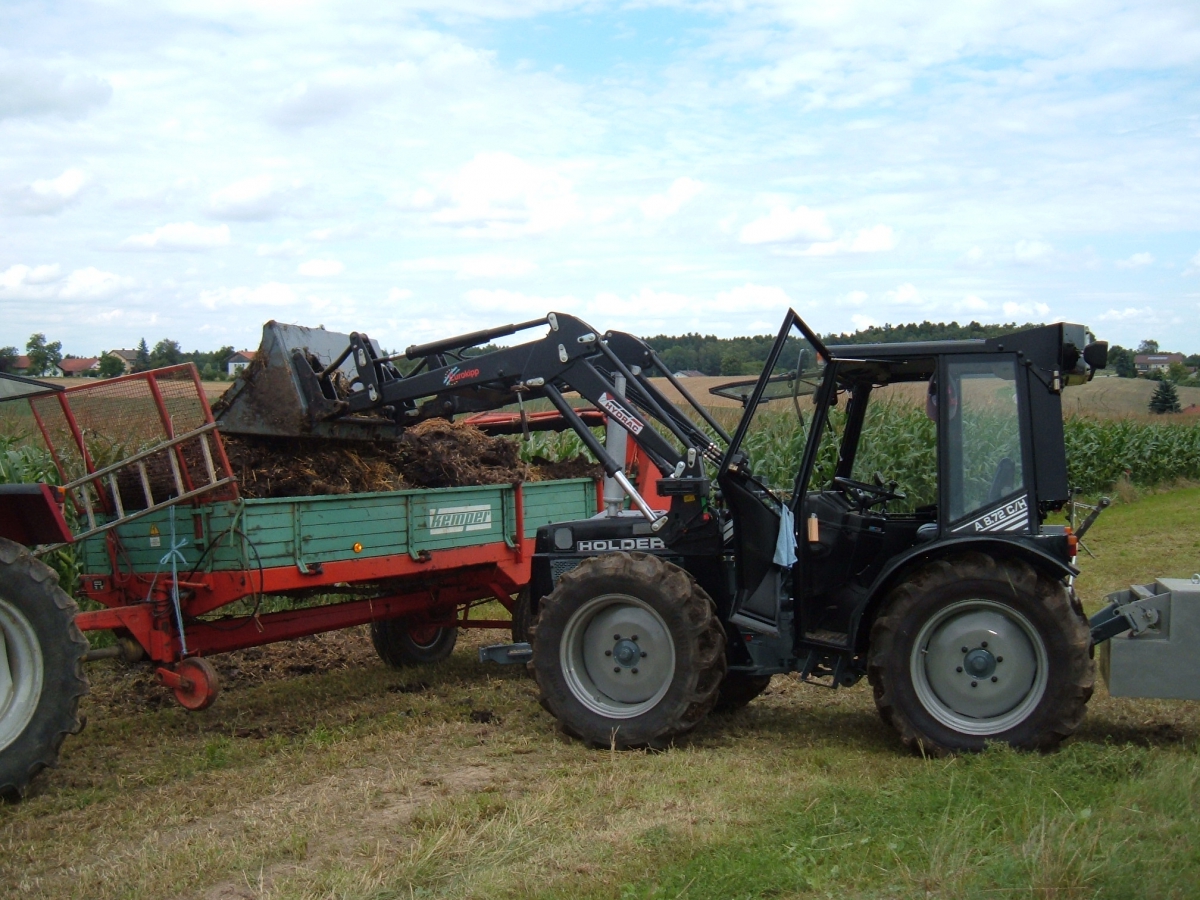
133 443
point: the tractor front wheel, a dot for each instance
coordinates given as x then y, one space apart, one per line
406 642
41 668
972 650
628 651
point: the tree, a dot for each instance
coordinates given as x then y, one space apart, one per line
111 366
43 357
1148 346
165 353
8 359
1165 399
1120 360
1178 373
141 360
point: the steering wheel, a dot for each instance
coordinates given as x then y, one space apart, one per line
865 494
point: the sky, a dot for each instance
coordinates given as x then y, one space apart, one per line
416 170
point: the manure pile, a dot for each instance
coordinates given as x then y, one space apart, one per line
433 454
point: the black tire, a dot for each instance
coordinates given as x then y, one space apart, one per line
680 652
943 699
522 617
43 668
739 688
401 643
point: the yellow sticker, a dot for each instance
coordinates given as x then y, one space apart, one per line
153 531
155 540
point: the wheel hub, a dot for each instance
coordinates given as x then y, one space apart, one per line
626 653
979 667
20 673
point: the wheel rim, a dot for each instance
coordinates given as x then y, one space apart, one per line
617 656
979 667
21 668
424 636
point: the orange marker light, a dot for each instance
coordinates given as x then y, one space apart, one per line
357 547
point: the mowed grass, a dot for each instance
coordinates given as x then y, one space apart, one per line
450 781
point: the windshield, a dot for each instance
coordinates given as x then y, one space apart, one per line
773 431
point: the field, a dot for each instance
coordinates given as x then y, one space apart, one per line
320 773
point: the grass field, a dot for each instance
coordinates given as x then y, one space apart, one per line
320 773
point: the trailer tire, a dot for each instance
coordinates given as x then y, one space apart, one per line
41 668
402 643
612 619
738 689
937 681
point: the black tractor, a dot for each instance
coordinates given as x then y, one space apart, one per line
945 588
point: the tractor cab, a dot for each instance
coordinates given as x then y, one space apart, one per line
881 458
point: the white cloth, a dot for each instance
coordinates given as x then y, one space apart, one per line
785 543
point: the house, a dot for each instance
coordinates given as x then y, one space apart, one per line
21 367
1146 363
80 368
127 358
689 373
239 361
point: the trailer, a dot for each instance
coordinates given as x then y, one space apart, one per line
179 566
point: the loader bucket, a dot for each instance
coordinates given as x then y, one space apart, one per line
278 394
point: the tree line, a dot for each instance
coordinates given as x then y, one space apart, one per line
45 356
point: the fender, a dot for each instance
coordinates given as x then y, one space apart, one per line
1021 547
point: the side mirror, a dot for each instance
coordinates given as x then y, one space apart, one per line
1095 354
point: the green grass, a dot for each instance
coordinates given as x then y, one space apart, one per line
363 783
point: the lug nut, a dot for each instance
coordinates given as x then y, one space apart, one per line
608 653
994 678
999 659
958 669
974 684
643 654
983 645
634 671
965 649
616 637
617 669
634 638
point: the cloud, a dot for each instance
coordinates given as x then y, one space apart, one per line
662 206
282 249
904 295
975 304
497 195
21 282
489 265
1128 314
1193 265
179 236
877 239
32 90
784 225
272 293
753 297
50 195
1028 310
256 198
1028 252
321 268
399 295
1137 261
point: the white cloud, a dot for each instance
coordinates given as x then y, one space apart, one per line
782 224
862 323
321 268
854 298
50 195
35 90
877 239
21 282
975 304
272 293
1029 310
282 249
904 295
973 257
497 195
1127 314
180 236
752 297
1193 265
258 197
488 265
1031 251
399 295
1137 261
662 206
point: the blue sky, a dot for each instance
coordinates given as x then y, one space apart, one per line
190 169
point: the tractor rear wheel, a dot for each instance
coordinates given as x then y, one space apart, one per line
628 651
972 650
41 668
406 642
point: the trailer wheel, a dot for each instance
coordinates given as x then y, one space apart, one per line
628 651
404 642
41 668
973 650
738 689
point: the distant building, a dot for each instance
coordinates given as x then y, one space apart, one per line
1145 363
127 358
79 368
689 373
21 367
239 361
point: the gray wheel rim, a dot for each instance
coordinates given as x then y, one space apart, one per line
617 656
20 673
979 667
